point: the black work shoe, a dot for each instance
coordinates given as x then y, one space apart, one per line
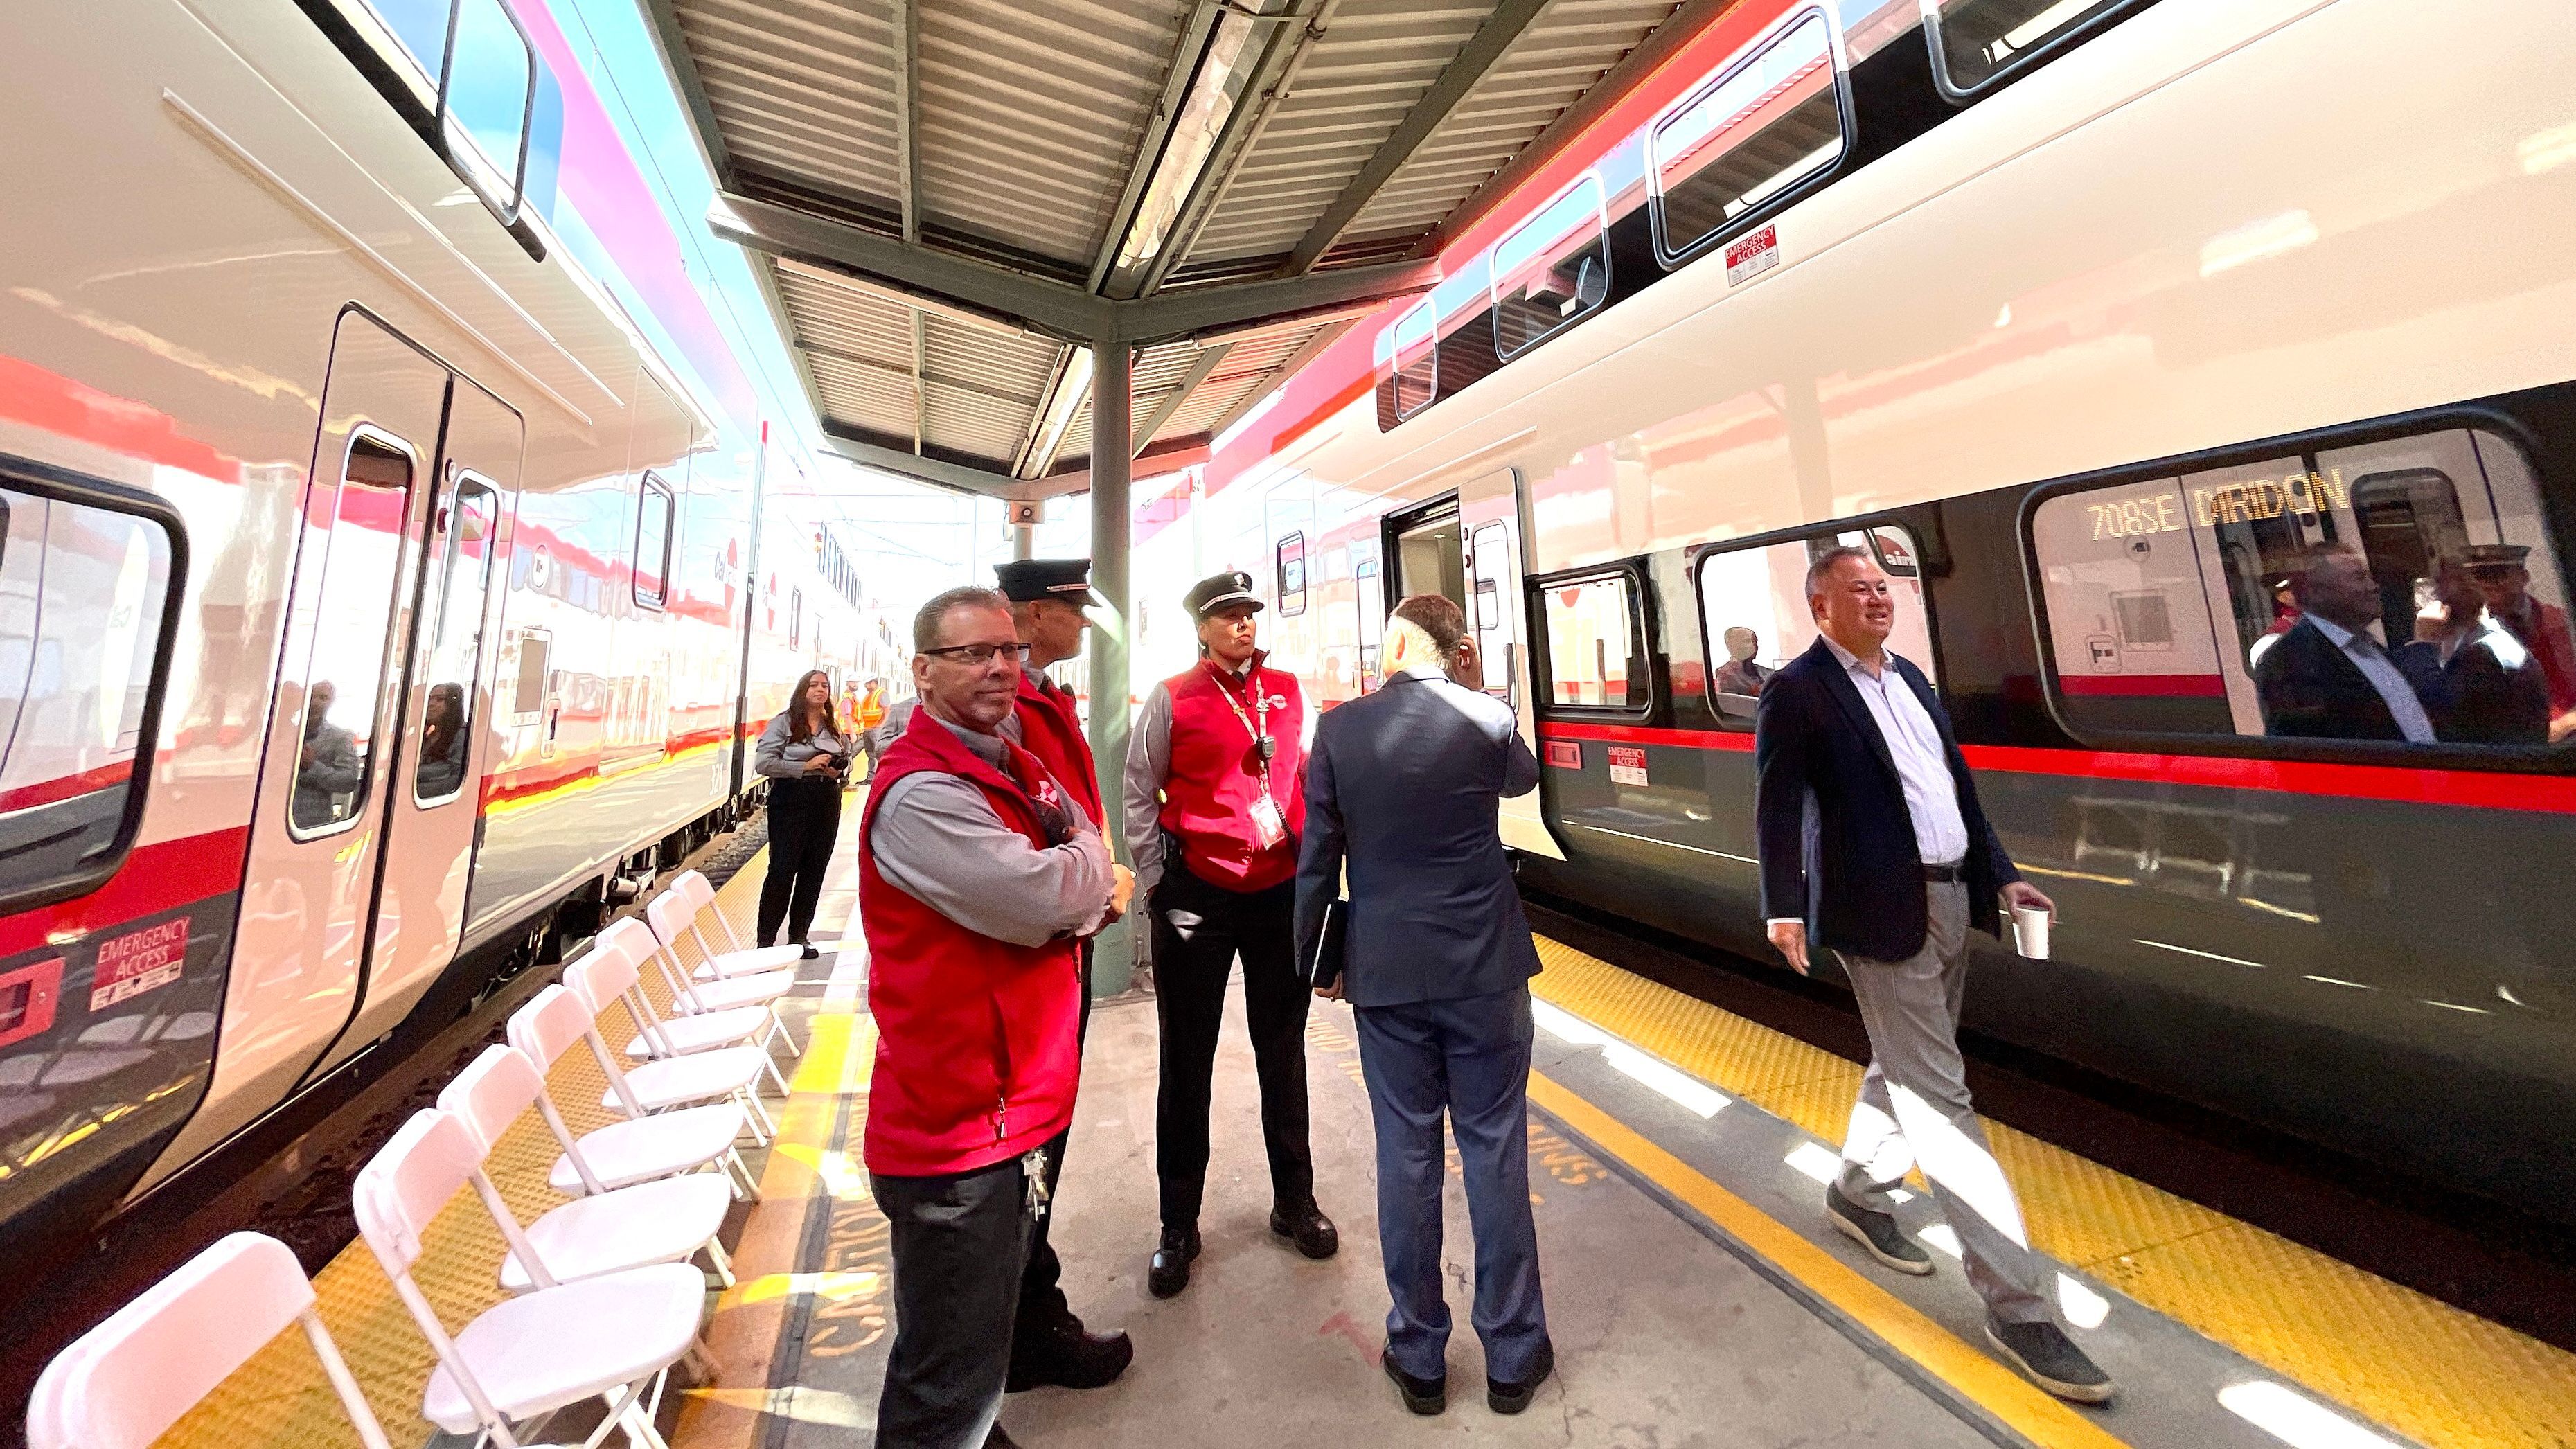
1513 1396
810 952
1065 1356
1307 1227
1422 1396
1170 1270
1876 1232
2050 1359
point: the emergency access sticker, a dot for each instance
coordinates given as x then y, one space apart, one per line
137 962
1752 254
1627 765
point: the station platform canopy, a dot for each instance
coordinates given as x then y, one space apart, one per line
962 204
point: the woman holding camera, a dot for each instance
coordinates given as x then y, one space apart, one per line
804 756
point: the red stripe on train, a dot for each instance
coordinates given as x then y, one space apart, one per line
160 876
2144 686
2468 789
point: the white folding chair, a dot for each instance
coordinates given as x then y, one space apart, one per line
658 1086
640 1149
736 959
611 1338
684 1035
666 1221
125 1382
668 915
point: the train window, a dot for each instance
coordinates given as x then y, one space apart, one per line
2399 591
1978 42
1552 269
1372 602
485 94
1289 563
1754 616
452 625
1490 613
1595 651
653 512
345 674
1767 123
85 612
1416 337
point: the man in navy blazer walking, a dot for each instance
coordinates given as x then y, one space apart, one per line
1406 784
1873 846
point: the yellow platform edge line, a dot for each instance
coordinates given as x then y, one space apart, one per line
1976 1376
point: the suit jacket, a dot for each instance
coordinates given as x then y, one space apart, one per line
1837 842
2311 689
2491 693
1407 785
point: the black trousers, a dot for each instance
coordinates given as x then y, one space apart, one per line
1199 929
958 1244
1042 1301
804 821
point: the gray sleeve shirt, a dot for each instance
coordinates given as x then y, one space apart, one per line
938 840
1149 764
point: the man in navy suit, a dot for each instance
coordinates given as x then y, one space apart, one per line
1873 846
2329 677
1406 785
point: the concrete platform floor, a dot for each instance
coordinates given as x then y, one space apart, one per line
1664 1339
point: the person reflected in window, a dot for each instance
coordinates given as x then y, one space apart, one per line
2481 686
442 742
2504 578
330 768
2329 677
1739 674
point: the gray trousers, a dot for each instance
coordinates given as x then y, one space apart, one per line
959 1245
1914 1108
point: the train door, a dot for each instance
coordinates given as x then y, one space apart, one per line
315 833
432 784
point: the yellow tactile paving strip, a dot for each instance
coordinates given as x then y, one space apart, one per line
2446 1378
280 1398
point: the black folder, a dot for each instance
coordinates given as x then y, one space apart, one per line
1326 967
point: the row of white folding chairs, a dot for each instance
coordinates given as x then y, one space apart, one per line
606 1301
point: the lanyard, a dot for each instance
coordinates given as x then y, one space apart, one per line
1261 707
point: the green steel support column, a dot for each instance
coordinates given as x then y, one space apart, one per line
1114 954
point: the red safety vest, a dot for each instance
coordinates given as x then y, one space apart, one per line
1051 732
977 1059
1213 780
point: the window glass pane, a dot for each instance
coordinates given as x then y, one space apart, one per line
1750 134
82 593
1754 616
1291 568
652 541
454 628
487 98
1417 360
421 26
1554 268
2399 591
1981 39
1490 613
1592 652
345 675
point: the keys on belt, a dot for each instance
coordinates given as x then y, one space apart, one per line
1951 874
1033 1166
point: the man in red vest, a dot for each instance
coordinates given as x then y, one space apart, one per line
1049 1345
977 877
1216 796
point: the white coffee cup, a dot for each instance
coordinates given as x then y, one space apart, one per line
2030 931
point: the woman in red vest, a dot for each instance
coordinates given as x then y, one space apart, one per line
977 876
1216 795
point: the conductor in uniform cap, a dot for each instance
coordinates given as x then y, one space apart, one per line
1048 1342
1215 801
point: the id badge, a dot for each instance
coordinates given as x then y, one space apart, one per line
1267 827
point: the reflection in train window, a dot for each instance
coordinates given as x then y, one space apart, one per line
1552 269
1754 617
84 590
452 628
1415 338
1748 137
1492 613
1976 42
1594 653
653 509
2400 591
1289 566
1372 610
360 554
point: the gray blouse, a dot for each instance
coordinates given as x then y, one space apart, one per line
779 758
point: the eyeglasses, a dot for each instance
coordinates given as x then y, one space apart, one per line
979 654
